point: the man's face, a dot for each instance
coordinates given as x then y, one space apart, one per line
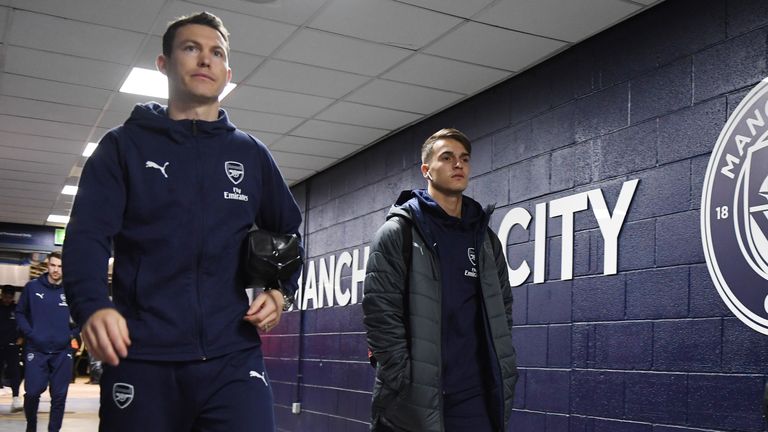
7 298
54 270
449 167
198 67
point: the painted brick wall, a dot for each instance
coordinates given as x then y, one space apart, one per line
651 349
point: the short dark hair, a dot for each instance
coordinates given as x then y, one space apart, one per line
447 133
55 254
9 289
202 18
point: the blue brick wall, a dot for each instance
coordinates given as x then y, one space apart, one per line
650 349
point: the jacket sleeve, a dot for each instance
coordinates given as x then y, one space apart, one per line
279 212
74 330
22 313
501 268
383 306
96 217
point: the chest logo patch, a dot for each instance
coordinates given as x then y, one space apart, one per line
235 171
472 260
154 165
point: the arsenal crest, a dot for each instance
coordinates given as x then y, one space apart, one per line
235 171
471 255
122 394
734 211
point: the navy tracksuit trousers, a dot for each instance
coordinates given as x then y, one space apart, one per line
9 365
41 369
231 393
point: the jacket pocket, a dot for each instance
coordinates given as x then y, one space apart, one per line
383 396
125 286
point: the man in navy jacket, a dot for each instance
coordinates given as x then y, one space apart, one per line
174 191
43 318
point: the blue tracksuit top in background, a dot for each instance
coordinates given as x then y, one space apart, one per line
9 331
175 198
43 316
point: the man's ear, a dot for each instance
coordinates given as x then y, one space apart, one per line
162 63
425 171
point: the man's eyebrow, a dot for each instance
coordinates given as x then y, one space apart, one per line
194 41
183 41
451 153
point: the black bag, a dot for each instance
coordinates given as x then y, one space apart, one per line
270 258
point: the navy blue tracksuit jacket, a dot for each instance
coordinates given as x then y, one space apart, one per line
43 317
175 198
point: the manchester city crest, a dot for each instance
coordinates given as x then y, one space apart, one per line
734 211
752 202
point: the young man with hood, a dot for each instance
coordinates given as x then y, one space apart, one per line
174 191
9 344
43 318
438 305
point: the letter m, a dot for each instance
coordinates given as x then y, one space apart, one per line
728 170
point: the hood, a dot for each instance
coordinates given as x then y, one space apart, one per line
416 204
43 279
153 116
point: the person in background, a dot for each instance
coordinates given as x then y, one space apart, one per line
43 318
438 305
175 190
94 368
9 345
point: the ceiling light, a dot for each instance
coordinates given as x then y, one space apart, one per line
89 149
58 218
152 83
69 190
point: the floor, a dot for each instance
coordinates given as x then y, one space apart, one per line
81 413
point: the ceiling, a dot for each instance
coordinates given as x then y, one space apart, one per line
318 80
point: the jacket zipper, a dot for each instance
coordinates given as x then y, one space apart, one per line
200 326
435 271
435 260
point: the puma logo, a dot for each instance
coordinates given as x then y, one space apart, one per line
419 246
40 294
151 164
254 374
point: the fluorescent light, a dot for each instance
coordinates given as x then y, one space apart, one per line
58 218
89 149
69 190
152 83
146 82
227 89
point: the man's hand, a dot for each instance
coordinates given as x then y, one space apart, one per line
266 309
106 336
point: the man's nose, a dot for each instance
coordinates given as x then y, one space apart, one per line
204 59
